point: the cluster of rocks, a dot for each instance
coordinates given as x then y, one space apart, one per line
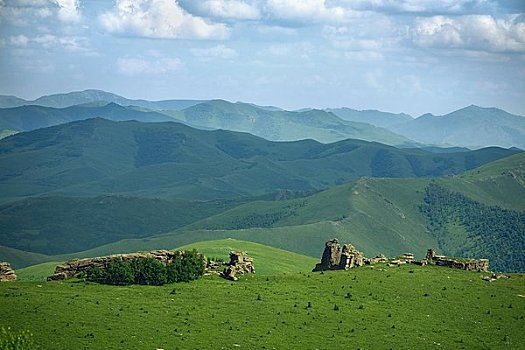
346 257
7 274
336 257
78 267
480 265
240 263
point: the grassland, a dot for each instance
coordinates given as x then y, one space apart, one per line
407 307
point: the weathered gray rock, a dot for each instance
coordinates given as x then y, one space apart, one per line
480 265
350 257
78 267
337 258
240 263
7 274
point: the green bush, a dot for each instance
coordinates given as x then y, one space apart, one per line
149 271
187 266
10 340
119 273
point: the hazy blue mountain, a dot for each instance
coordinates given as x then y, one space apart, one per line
26 118
11 101
374 117
279 125
472 127
88 96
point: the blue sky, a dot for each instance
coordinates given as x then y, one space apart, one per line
400 56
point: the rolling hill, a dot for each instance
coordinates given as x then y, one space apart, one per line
269 260
96 157
378 215
84 184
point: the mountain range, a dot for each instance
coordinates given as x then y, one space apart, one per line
471 127
87 176
85 184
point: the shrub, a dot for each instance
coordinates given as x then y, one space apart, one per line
149 271
119 273
187 266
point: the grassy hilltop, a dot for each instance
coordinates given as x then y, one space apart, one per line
380 307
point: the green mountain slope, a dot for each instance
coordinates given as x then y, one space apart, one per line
377 215
99 181
278 125
97 156
472 127
57 225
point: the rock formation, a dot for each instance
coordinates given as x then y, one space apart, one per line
7 274
78 267
335 258
240 263
480 265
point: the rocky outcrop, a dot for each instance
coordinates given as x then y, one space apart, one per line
7 274
240 263
480 265
337 258
78 267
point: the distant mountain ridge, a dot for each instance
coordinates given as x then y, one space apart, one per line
267 122
472 127
86 96
374 117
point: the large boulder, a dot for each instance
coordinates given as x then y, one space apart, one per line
337 258
240 263
331 256
7 274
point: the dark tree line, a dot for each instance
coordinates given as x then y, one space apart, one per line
185 267
464 227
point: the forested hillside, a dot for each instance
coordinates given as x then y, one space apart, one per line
466 228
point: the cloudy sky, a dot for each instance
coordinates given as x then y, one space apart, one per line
399 56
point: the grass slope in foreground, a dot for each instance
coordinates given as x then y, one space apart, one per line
382 307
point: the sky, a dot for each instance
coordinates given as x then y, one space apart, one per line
399 56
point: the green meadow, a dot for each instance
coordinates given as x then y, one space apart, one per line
379 307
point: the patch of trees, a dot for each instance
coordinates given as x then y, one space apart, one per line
466 228
185 267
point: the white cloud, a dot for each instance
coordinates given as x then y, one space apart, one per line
24 12
425 6
19 40
219 51
132 66
68 10
472 32
306 11
228 9
159 19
